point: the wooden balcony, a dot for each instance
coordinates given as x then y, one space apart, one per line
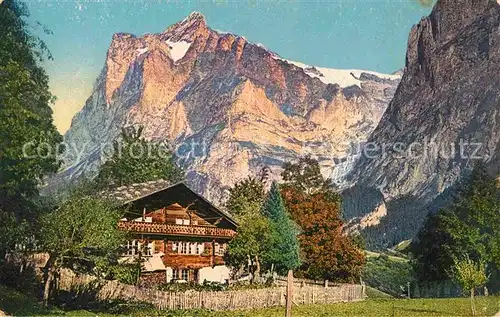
175 230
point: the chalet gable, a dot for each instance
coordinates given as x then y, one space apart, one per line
163 202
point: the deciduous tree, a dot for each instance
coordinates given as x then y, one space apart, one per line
81 232
250 250
316 208
304 175
137 160
469 275
327 253
29 141
248 191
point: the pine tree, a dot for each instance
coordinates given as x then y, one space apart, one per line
284 249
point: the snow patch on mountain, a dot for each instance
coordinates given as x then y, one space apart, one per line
142 51
342 77
178 49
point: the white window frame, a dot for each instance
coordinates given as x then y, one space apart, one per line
132 247
185 275
216 248
149 249
200 248
188 248
183 247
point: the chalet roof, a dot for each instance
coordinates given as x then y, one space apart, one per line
131 193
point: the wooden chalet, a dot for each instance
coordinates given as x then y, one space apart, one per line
177 234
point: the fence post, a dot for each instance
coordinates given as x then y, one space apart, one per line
289 294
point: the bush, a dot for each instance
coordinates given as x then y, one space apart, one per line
212 286
182 287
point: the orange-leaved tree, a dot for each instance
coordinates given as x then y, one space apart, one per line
327 253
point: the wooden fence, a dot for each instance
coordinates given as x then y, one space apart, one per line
301 282
222 300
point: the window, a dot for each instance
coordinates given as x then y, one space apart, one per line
183 247
132 247
193 248
200 247
180 274
145 219
219 249
149 249
185 275
182 222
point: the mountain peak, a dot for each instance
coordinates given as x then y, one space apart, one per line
188 28
448 16
195 16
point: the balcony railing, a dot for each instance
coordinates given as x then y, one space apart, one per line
167 229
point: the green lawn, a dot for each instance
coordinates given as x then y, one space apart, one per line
18 304
386 307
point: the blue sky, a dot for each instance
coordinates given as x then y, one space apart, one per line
362 34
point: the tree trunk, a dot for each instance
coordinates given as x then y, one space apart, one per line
289 294
49 278
472 306
257 268
251 269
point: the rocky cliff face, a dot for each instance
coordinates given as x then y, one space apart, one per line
444 116
228 106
